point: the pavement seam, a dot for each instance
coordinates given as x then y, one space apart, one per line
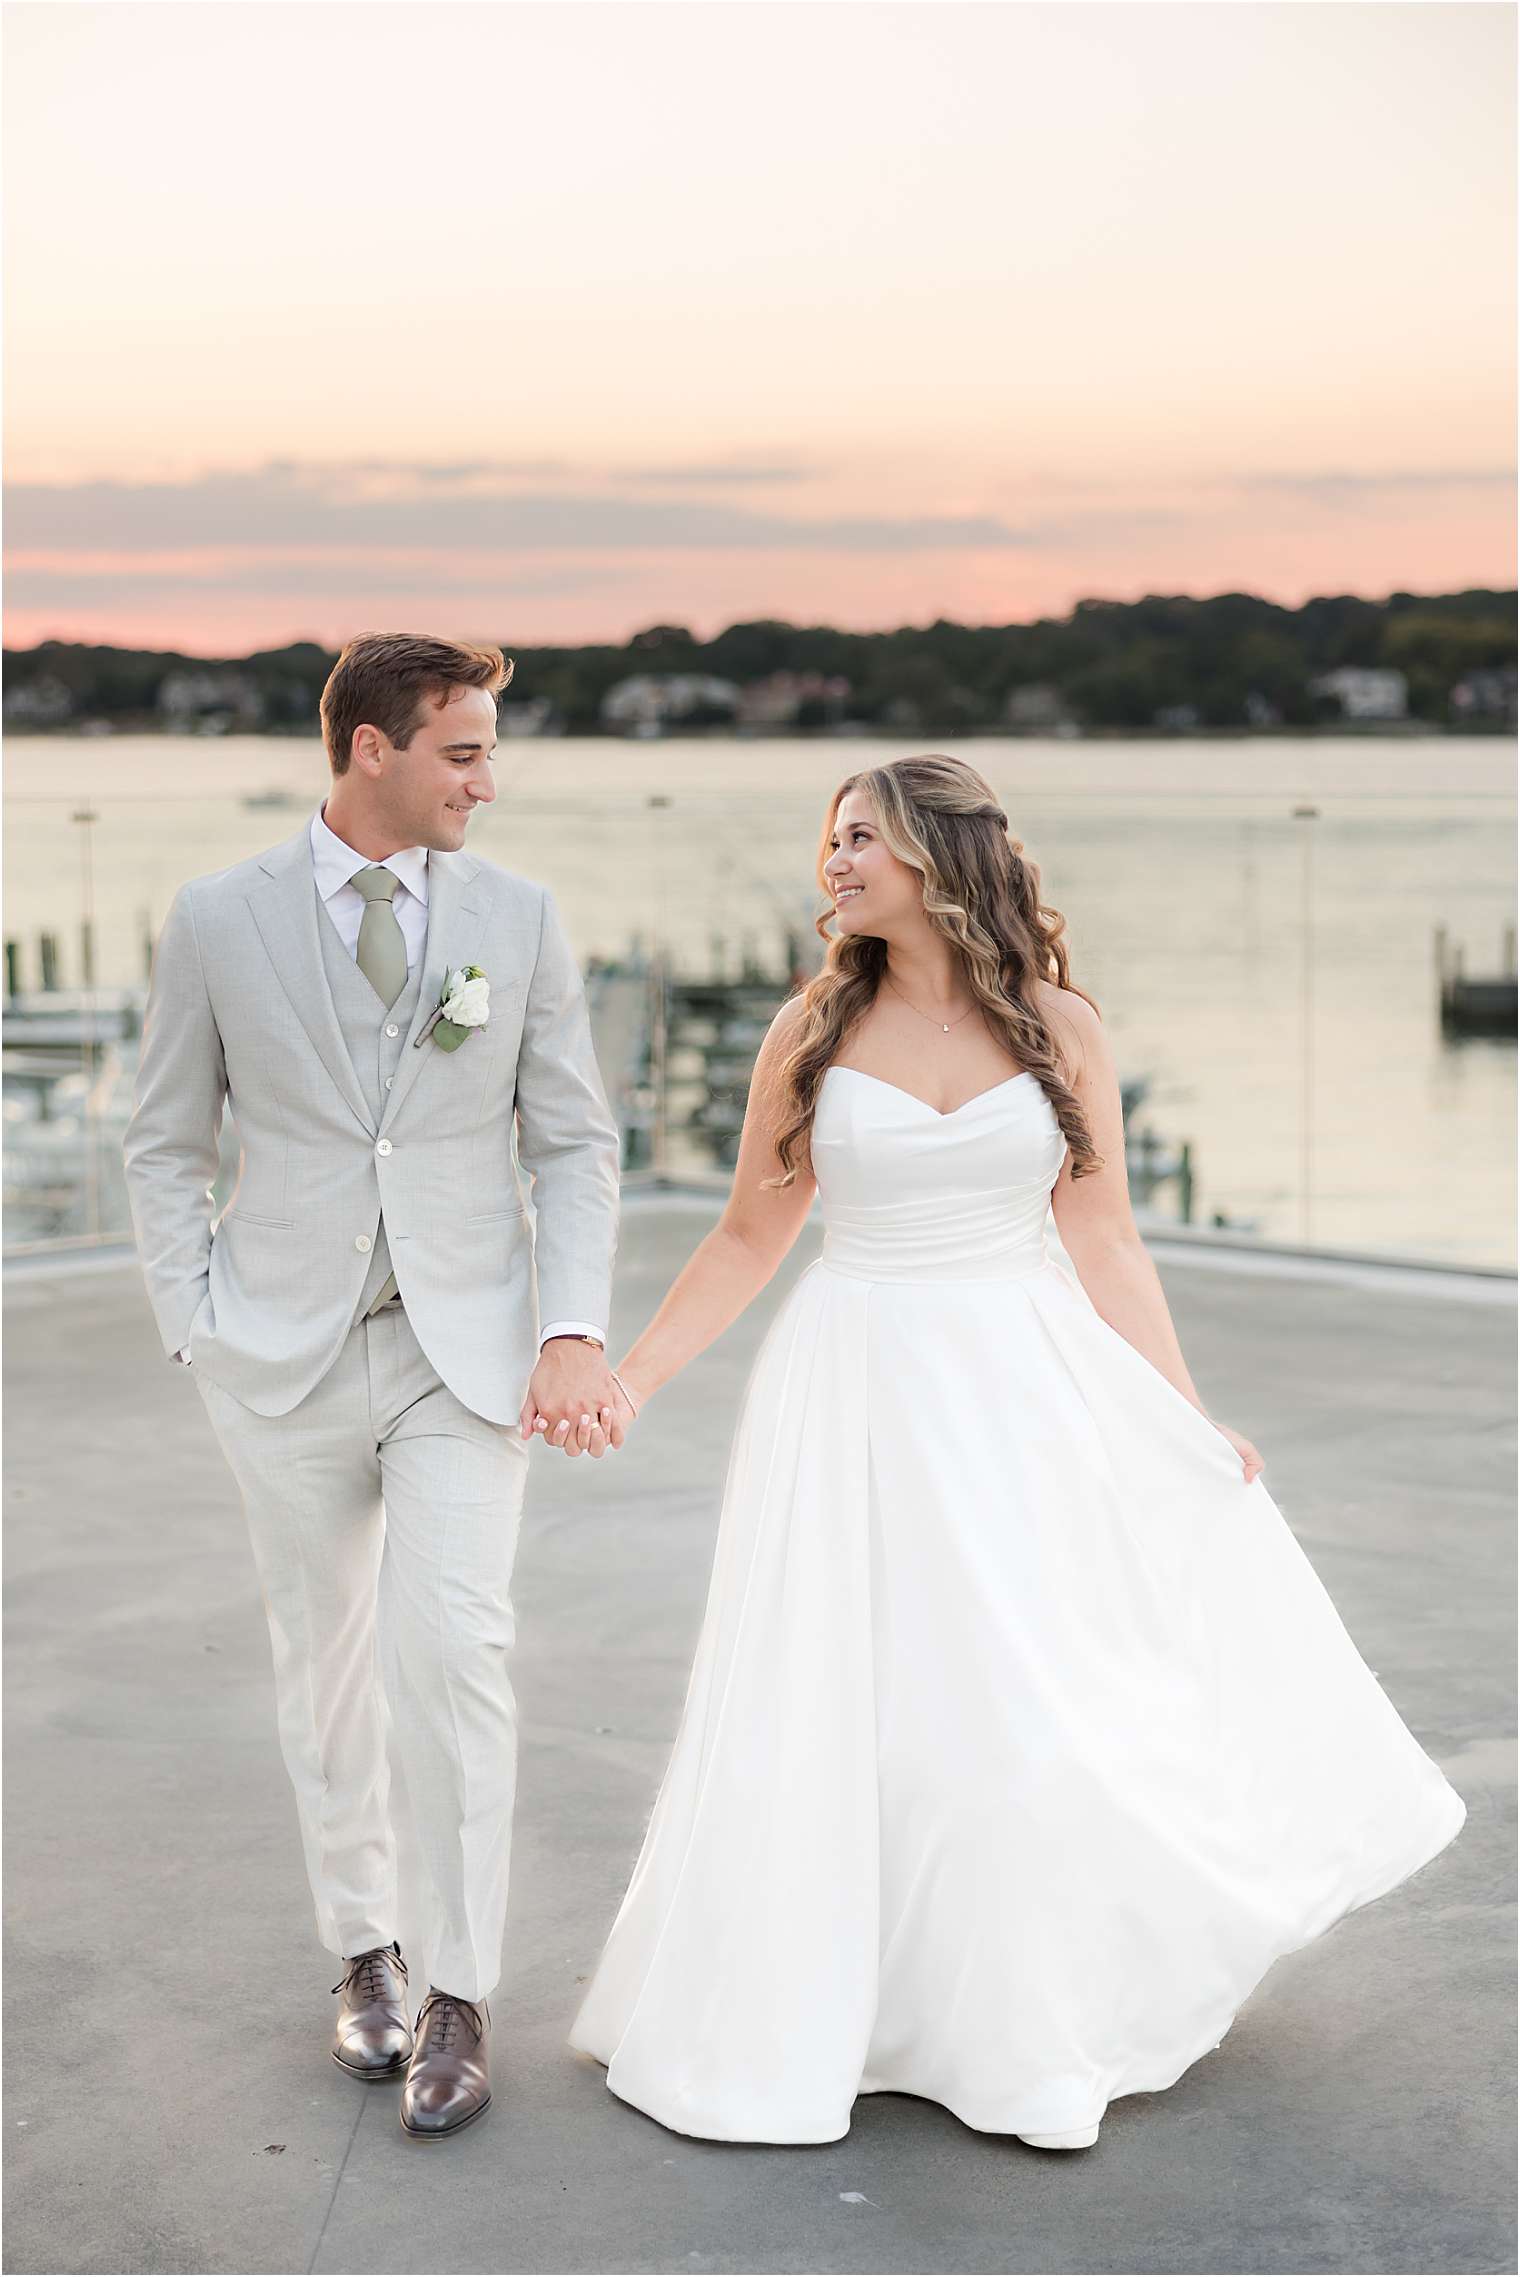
1168 1240
337 2186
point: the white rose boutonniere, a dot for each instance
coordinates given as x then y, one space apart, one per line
464 1004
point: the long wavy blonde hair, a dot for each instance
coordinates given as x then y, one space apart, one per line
981 892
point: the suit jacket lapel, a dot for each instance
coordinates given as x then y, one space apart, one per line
284 906
456 924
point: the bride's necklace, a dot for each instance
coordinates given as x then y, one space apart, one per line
946 1025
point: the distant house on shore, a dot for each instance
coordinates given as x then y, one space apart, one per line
1365 691
43 702
204 702
536 715
794 699
1486 695
648 700
1035 708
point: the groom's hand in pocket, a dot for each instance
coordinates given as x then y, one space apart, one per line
572 1401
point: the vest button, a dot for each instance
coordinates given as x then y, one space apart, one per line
362 1241
382 1146
391 1028
390 1079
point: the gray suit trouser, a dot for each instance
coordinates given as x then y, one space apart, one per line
384 1517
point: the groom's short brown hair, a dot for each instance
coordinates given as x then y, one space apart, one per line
381 678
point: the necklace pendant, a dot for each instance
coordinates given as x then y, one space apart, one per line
946 1025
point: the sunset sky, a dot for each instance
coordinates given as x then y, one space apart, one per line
546 322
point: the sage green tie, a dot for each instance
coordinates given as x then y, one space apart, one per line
381 955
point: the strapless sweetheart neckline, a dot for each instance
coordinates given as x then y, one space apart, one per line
943 1115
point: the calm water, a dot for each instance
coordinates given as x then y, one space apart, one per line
1183 875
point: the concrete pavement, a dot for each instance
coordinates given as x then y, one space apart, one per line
170 2105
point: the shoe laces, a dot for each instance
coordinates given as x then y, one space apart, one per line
450 2011
367 1975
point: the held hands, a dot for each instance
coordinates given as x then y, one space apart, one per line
573 1403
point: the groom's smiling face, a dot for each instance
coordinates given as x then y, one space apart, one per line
425 794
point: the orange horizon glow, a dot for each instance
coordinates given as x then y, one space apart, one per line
542 324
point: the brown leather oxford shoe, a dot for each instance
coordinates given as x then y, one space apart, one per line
372 2038
448 2081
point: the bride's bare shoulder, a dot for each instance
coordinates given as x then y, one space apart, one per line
779 1040
1075 1024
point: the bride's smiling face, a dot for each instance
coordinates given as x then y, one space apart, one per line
874 893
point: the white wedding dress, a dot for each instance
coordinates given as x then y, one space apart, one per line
1021 1736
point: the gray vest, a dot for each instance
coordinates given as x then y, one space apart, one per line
376 1055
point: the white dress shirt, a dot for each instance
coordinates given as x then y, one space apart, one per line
334 862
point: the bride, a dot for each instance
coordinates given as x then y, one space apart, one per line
1021 1736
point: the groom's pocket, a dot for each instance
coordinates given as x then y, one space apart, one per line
514 1212
257 1257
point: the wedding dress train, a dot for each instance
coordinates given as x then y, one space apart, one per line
1021 1736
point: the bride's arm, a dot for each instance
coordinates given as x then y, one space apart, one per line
734 1262
1093 1214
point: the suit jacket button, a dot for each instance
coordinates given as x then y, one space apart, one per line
382 1146
362 1241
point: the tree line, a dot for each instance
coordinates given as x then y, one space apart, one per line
1225 661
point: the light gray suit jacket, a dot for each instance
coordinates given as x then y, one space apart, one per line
239 1009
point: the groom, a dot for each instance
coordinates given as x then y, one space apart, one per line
360 1318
